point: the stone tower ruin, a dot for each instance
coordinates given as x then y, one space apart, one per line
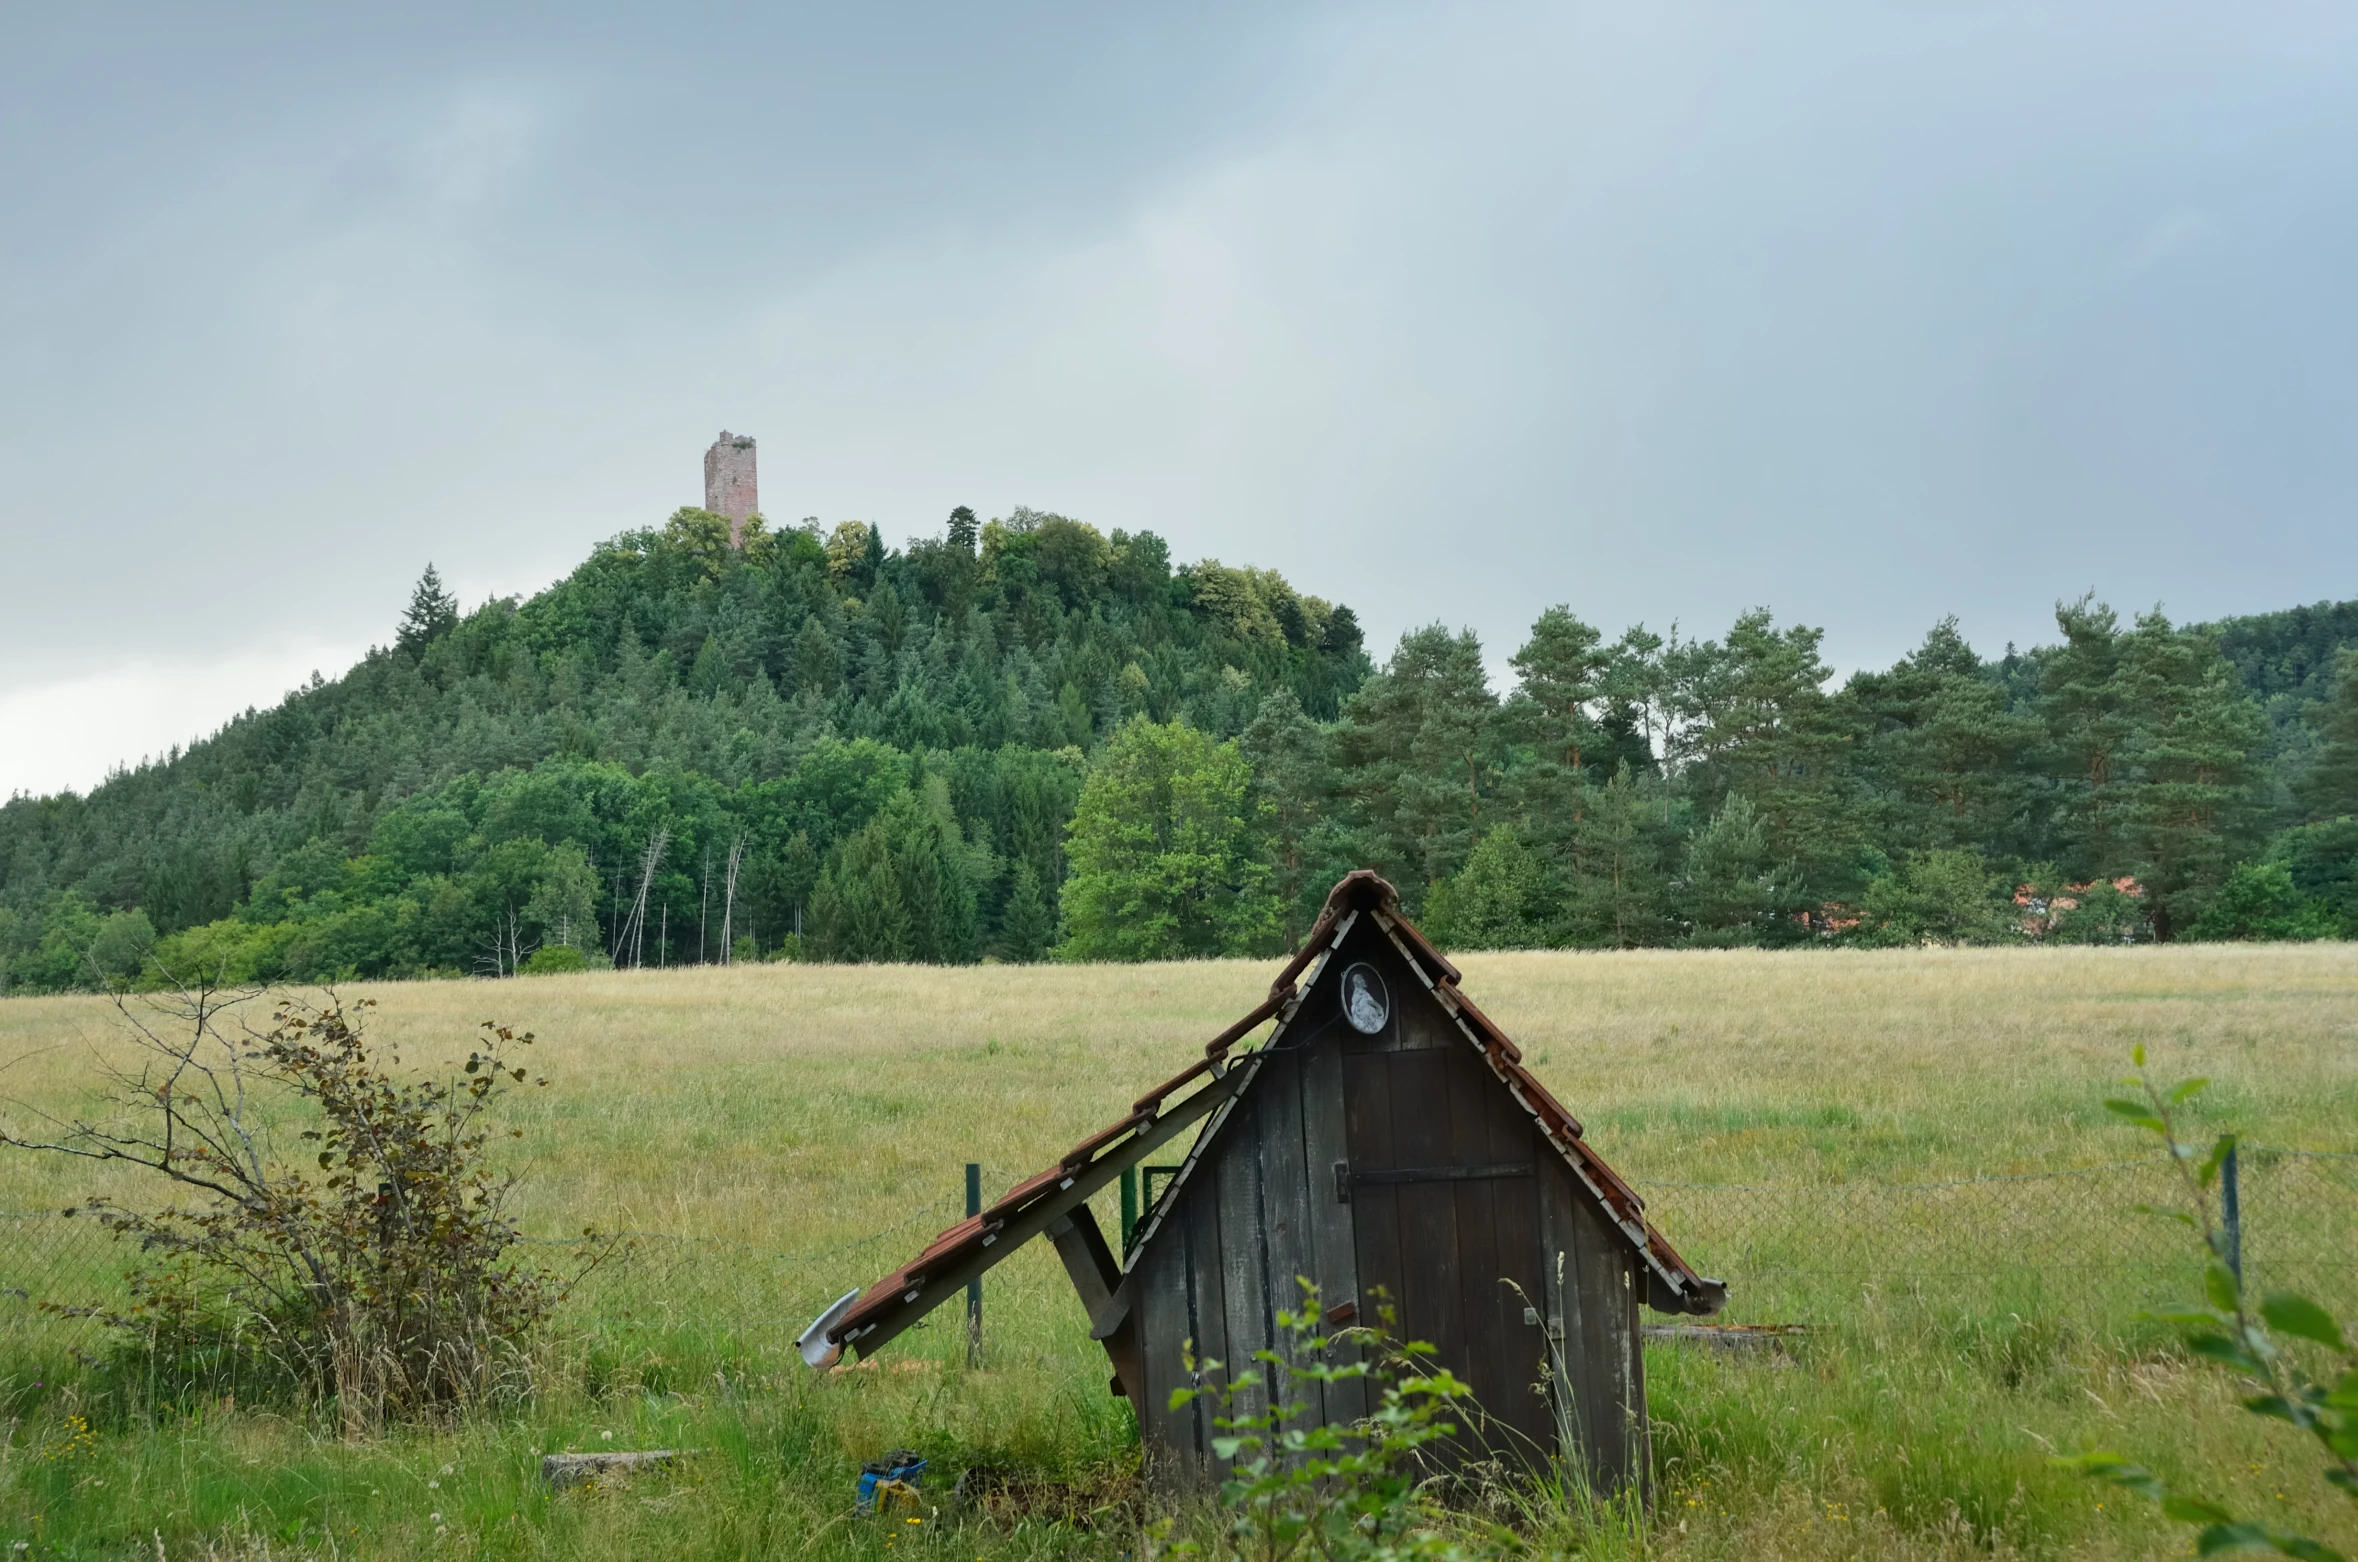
728 483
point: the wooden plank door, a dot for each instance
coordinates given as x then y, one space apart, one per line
1445 1215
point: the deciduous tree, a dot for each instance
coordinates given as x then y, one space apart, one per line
1168 851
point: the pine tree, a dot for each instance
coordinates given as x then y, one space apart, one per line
432 613
797 877
1734 891
1028 926
1497 901
1561 674
2080 706
1943 753
1418 747
2189 753
814 664
1293 781
857 912
1562 670
822 941
1754 718
2330 790
935 871
1636 687
1619 892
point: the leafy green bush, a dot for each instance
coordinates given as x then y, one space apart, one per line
2106 914
349 1236
1940 897
2260 902
554 959
1330 1490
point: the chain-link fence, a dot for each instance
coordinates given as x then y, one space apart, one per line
2066 1244
2085 1243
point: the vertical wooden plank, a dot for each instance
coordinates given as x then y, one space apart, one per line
1367 1098
1244 1251
1514 1141
1520 1348
1207 1314
1169 1435
1601 1361
1640 1429
1558 1257
1464 1104
1498 1226
1429 1303
1335 1258
1520 1345
1286 1194
1375 1217
1419 1022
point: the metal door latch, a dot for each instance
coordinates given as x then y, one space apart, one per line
1342 1182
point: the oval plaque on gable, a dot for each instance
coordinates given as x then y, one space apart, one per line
1365 1002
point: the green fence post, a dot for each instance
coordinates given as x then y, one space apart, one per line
974 1286
2231 1213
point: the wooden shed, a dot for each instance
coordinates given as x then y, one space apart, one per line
1383 1138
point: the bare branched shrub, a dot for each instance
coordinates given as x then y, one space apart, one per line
347 1232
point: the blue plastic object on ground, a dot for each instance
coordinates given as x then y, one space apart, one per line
901 1465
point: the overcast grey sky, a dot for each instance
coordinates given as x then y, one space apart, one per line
1869 313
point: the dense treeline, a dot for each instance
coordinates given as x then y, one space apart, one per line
2121 784
1028 737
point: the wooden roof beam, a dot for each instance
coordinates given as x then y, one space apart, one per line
1020 1226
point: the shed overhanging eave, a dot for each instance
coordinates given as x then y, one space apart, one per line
1150 1220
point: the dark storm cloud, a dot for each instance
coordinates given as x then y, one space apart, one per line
1867 313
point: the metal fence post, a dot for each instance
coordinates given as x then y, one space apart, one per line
974 1286
1129 1206
2231 1214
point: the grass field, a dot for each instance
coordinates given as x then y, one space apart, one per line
797 1110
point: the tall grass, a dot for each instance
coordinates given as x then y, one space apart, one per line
797 1110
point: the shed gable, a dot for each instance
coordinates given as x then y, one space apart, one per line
1427 1012
1393 1165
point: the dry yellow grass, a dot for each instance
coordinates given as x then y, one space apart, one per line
781 1105
792 1108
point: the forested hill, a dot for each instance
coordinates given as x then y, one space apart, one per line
1028 737
2289 655
519 759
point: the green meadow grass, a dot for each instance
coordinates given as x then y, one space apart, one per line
760 1123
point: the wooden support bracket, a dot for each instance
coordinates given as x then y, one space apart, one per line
1098 1280
1019 1226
